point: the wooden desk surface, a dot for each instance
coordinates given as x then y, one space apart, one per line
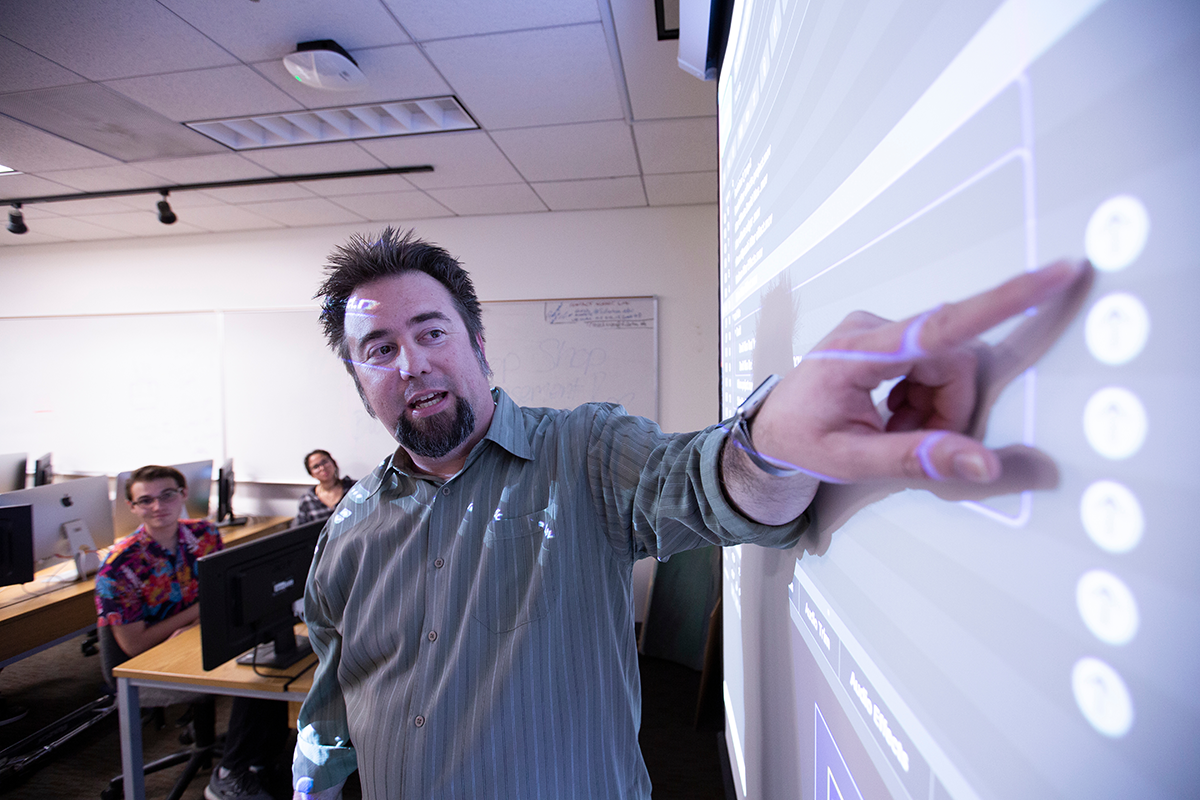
36 613
177 660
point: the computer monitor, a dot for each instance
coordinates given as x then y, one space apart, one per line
247 595
12 472
16 545
43 471
67 516
226 484
198 475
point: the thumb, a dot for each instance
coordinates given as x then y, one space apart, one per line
939 456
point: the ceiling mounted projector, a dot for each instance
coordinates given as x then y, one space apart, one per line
323 64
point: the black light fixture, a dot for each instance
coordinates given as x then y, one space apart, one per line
16 220
165 215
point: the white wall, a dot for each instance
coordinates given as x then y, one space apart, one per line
667 252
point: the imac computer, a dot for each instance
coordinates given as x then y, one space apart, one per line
16 545
247 595
198 475
43 471
225 488
71 520
12 472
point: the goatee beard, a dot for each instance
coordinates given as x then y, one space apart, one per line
436 436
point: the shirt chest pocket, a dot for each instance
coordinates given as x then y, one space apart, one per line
516 581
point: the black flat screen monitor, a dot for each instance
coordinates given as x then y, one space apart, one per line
247 593
226 484
43 471
55 508
16 545
12 472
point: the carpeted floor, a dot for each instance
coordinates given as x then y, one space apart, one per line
683 762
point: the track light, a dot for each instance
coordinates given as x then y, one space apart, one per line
16 220
165 215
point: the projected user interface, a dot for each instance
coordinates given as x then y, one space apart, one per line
892 155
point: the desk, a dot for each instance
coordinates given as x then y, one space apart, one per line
175 664
36 616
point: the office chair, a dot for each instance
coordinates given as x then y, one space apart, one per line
205 746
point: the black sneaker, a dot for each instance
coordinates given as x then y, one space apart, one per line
226 785
11 712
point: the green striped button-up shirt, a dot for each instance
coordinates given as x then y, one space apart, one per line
476 634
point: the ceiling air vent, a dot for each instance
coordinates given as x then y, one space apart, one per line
398 118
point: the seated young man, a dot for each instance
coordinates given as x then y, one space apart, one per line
148 591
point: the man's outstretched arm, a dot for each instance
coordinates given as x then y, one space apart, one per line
821 419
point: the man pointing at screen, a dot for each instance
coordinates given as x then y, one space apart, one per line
471 599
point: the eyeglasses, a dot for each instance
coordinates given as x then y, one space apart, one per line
164 498
325 462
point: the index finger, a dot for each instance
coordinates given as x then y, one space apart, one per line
956 323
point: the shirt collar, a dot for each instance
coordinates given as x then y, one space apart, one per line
507 430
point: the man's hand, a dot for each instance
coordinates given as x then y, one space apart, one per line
821 417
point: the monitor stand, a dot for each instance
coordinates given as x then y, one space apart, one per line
272 657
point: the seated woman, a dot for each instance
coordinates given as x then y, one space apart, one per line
318 502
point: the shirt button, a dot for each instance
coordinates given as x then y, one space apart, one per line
445 490
439 563
419 721
433 636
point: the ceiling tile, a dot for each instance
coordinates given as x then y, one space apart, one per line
32 236
228 218
565 152
393 73
682 189
259 194
28 149
512 198
376 184
394 206
206 169
677 145
458 159
77 229
101 179
658 88
206 93
104 40
310 158
239 26
24 69
304 213
90 206
452 18
539 77
99 118
22 185
595 193
143 223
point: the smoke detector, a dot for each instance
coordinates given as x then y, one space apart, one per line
323 64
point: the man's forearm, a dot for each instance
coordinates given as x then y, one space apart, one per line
137 637
761 497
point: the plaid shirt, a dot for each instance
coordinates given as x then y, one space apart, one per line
141 581
312 509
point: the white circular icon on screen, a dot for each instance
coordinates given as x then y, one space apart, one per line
1114 422
1107 607
1116 233
1117 328
1112 516
1102 697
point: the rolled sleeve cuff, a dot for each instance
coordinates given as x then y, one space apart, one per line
326 765
739 527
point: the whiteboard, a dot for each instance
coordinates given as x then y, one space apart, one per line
110 393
